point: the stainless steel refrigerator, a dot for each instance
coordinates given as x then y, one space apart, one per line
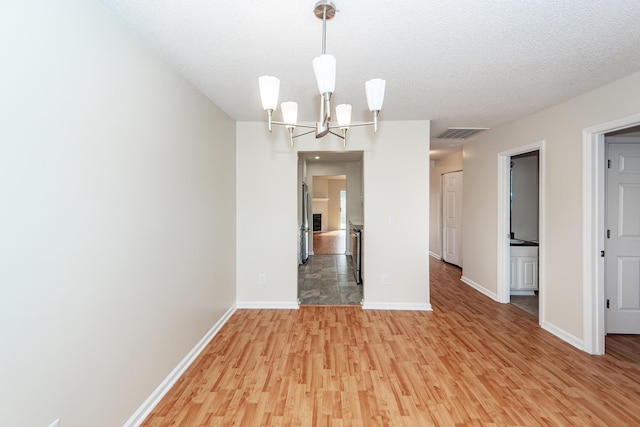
304 227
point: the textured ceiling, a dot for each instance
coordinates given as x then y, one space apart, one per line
464 63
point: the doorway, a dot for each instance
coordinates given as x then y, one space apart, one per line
335 194
524 232
594 161
521 240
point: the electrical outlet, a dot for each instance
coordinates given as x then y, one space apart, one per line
385 279
392 220
262 279
56 423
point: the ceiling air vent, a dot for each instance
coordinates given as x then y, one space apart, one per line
459 133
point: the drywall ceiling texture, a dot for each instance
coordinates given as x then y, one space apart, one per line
117 219
395 183
456 63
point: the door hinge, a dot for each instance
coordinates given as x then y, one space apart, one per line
602 254
607 303
608 234
609 164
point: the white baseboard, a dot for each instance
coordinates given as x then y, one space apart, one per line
145 409
549 327
435 255
397 306
479 288
270 305
563 335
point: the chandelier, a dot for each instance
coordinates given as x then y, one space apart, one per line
324 67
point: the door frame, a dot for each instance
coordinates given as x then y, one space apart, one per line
593 214
503 238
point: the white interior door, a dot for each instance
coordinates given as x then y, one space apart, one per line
452 217
622 261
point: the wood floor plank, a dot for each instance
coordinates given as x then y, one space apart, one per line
469 362
330 242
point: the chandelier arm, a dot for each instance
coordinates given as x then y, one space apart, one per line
351 125
336 134
343 137
307 127
304 133
374 122
298 125
292 136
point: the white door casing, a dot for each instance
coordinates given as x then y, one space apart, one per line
622 245
452 187
593 213
504 270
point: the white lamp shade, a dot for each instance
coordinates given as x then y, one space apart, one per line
324 66
269 90
343 114
289 113
375 94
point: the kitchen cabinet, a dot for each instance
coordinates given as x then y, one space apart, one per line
523 272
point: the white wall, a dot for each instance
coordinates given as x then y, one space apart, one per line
561 242
117 216
450 163
355 191
396 183
319 201
326 200
320 187
267 216
335 186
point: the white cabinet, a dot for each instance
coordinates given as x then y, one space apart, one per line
523 273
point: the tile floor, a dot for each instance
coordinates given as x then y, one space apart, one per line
528 303
328 280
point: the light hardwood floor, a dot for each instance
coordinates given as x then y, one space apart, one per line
469 362
330 242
